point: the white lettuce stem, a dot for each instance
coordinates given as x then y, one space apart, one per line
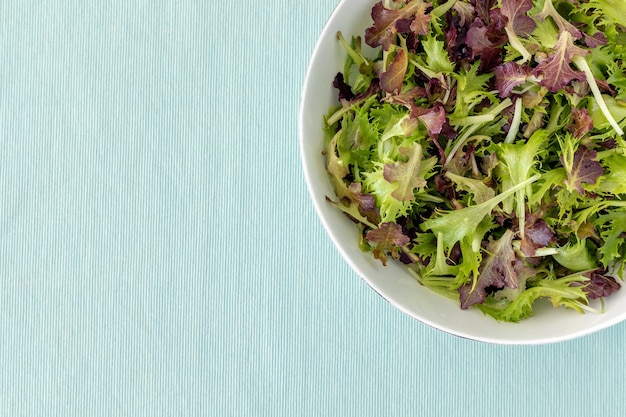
443 8
515 123
581 63
358 59
460 142
338 115
517 44
520 195
474 123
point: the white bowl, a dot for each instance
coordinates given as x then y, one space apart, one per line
393 281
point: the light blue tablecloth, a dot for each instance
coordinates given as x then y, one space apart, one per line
159 254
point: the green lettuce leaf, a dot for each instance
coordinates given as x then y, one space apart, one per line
459 224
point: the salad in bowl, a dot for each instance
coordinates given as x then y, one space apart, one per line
477 149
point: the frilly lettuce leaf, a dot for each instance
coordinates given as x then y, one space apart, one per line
608 12
613 181
375 183
612 226
387 238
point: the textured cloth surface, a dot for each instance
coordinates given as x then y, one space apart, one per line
159 253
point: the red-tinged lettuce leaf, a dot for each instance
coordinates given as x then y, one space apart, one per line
537 234
477 40
372 90
407 98
518 23
556 70
597 39
608 144
497 32
407 174
343 89
486 43
600 285
445 186
434 90
496 272
351 210
518 20
509 76
403 26
585 169
420 23
415 23
448 131
581 122
482 8
366 202
465 12
586 230
434 118
388 238
453 41
383 31
355 203
455 31
391 80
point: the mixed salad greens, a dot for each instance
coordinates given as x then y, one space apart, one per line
482 146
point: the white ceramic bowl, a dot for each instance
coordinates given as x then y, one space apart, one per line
394 282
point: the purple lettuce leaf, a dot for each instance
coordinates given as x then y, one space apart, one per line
388 239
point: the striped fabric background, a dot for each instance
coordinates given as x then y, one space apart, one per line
159 255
